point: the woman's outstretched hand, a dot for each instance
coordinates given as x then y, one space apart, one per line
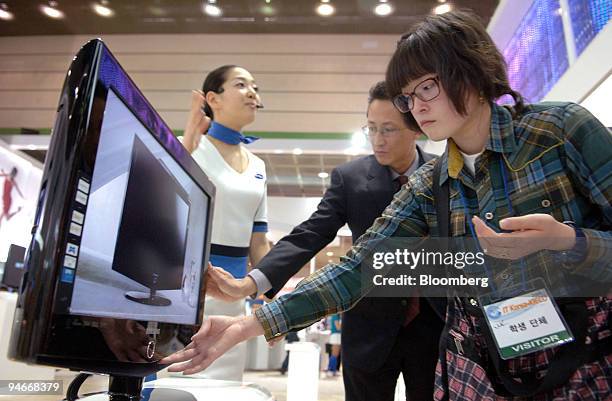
216 336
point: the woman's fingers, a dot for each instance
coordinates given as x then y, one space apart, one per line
197 100
217 335
188 365
180 356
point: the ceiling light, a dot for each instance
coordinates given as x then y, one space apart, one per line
323 174
330 261
330 253
267 9
5 14
325 9
102 10
383 9
51 11
297 151
442 8
212 10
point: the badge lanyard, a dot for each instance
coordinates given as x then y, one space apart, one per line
526 323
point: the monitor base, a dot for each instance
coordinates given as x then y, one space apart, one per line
127 388
148 394
147 299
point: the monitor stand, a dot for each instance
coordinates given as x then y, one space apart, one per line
124 388
151 298
148 299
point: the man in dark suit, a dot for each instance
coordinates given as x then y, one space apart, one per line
381 337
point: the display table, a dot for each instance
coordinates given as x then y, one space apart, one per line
209 389
10 370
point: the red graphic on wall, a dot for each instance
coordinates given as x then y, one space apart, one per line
7 194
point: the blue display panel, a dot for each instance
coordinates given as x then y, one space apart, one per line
588 18
537 55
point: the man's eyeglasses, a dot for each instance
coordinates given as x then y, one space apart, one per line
426 90
385 132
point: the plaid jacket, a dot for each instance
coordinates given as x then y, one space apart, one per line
557 159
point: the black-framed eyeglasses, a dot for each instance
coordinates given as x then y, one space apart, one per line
385 132
426 90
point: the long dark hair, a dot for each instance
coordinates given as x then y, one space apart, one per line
457 48
214 82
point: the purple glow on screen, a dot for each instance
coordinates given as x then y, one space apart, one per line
112 75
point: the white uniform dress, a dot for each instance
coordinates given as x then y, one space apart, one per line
240 209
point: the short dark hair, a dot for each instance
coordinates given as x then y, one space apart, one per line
214 83
378 91
456 47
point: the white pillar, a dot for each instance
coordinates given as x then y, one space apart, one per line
303 374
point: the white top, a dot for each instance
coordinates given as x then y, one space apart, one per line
240 198
470 161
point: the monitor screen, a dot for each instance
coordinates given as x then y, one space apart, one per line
141 233
13 268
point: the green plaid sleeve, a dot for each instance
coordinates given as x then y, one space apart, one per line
588 148
337 287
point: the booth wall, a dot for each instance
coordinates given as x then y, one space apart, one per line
309 83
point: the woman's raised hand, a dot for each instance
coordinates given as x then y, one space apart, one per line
197 122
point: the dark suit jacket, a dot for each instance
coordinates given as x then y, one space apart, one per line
359 192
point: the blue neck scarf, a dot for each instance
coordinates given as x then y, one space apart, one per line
228 135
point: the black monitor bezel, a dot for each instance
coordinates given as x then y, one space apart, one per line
72 150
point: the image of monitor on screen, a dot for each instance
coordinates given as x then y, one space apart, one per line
150 247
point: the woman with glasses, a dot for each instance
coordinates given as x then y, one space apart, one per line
227 103
532 183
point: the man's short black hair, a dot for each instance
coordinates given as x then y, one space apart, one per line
379 92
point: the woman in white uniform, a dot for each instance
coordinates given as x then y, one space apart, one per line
227 103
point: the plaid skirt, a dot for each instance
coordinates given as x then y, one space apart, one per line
471 379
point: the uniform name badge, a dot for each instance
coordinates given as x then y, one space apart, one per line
526 323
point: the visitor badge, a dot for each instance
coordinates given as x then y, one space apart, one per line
526 323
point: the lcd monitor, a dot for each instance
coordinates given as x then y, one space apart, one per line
13 268
121 237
